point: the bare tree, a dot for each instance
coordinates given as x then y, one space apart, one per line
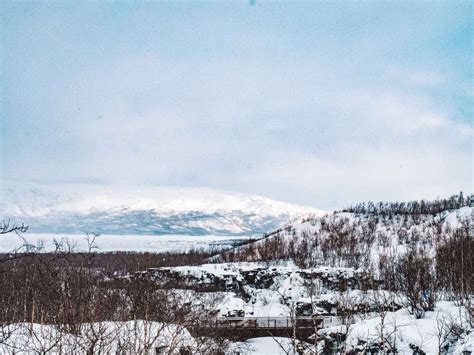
7 227
416 278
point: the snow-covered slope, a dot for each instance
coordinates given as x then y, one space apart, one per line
143 210
354 240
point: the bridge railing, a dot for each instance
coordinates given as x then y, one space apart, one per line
268 322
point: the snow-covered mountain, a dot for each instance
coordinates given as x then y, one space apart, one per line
107 209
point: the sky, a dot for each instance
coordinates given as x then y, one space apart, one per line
321 104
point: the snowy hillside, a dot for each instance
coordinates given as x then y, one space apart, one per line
143 210
350 239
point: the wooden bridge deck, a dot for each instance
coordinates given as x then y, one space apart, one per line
241 328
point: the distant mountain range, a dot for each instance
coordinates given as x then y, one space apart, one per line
108 209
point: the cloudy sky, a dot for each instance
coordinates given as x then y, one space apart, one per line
319 104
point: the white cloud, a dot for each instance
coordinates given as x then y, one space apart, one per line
368 173
392 110
305 112
291 137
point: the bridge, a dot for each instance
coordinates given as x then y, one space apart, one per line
242 328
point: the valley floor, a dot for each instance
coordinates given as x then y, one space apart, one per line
127 243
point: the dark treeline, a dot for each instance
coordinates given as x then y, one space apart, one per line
424 279
411 207
455 262
68 287
115 263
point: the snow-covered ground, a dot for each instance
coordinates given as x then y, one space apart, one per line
277 289
400 329
104 243
257 289
265 346
133 337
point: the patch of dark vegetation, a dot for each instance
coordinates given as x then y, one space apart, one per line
114 263
417 207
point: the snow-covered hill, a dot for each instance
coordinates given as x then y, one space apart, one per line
350 239
143 210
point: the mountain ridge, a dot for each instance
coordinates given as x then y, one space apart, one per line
77 208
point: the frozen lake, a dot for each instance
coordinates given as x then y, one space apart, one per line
107 242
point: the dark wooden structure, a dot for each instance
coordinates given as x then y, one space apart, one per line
242 328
